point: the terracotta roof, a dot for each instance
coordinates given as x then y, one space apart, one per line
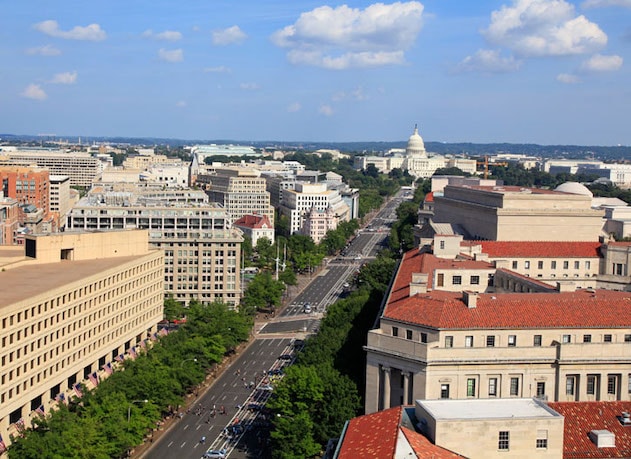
253 221
619 243
583 417
543 249
429 197
375 436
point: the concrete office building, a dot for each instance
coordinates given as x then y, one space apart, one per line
69 305
433 342
60 202
202 250
9 220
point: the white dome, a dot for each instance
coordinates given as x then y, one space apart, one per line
574 188
416 146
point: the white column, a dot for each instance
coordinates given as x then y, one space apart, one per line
386 387
406 387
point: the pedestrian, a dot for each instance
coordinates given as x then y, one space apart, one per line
202 440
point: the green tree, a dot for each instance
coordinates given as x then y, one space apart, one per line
263 293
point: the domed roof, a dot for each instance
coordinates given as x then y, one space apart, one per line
574 188
415 143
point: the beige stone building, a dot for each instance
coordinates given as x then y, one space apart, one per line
69 305
433 343
510 213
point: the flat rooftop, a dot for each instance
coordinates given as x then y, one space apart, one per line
501 408
24 282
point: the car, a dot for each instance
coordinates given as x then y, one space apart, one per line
285 357
215 454
307 308
267 387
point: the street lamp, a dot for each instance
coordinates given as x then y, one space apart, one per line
130 405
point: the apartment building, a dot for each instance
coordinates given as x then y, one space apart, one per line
202 250
9 220
256 227
434 343
68 306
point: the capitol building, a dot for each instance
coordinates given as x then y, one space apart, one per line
414 159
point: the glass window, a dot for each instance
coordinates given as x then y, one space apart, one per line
540 265
490 341
456 280
444 391
577 265
395 331
514 265
526 264
468 341
607 338
627 338
553 264
591 385
470 387
536 340
567 339
492 387
566 264
408 334
514 386
449 341
475 280
588 265
570 384
512 340
503 443
541 388
440 280
587 338
423 337
612 384
542 439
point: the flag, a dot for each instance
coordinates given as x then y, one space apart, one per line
94 379
60 398
163 332
143 344
133 353
108 368
3 446
40 410
154 337
77 390
119 358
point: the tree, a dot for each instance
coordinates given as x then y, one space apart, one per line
263 293
173 309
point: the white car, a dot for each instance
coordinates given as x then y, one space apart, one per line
307 308
215 454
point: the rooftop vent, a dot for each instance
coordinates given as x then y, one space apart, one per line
603 438
470 299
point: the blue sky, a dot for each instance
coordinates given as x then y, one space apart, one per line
522 71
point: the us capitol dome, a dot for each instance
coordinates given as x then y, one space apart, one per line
416 146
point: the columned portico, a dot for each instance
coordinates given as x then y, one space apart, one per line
385 398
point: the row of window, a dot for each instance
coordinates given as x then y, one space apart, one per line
503 440
592 384
553 264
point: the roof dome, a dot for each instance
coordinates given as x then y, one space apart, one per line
415 144
574 188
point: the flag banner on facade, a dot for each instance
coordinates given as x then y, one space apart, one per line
143 344
60 397
40 410
163 332
3 446
108 368
119 358
94 379
77 390
154 337
133 353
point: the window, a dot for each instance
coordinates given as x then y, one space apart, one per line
468 341
456 280
423 337
618 269
577 265
542 439
492 387
553 264
490 341
475 280
444 391
567 339
470 387
612 384
540 264
627 338
536 340
442 245
512 340
566 264
588 265
526 264
607 338
503 441
570 385
591 385
408 334
629 385
449 341
440 281
514 265
541 389
395 331
587 338
514 386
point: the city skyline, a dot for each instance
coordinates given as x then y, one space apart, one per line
520 71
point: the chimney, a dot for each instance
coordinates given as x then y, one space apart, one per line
470 299
625 418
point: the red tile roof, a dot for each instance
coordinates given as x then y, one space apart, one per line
429 197
253 221
583 417
619 243
438 309
375 436
542 249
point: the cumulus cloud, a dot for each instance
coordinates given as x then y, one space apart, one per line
295 107
325 110
249 86
34 91
602 63
534 28
167 35
230 36
603 3
567 78
488 61
46 50
344 37
219 69
171 55
65 78
92 32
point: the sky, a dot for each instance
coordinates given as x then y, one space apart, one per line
550 72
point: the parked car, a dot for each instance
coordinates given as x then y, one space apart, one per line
215 454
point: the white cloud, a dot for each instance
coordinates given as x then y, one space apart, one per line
249 86
167 35
34 91
295 107
567 78
488 61
181 103
603 3
46 50
171 55
344 37
65 78
92 32
601 63
532 28
219 69
325 110
356 94
231 35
